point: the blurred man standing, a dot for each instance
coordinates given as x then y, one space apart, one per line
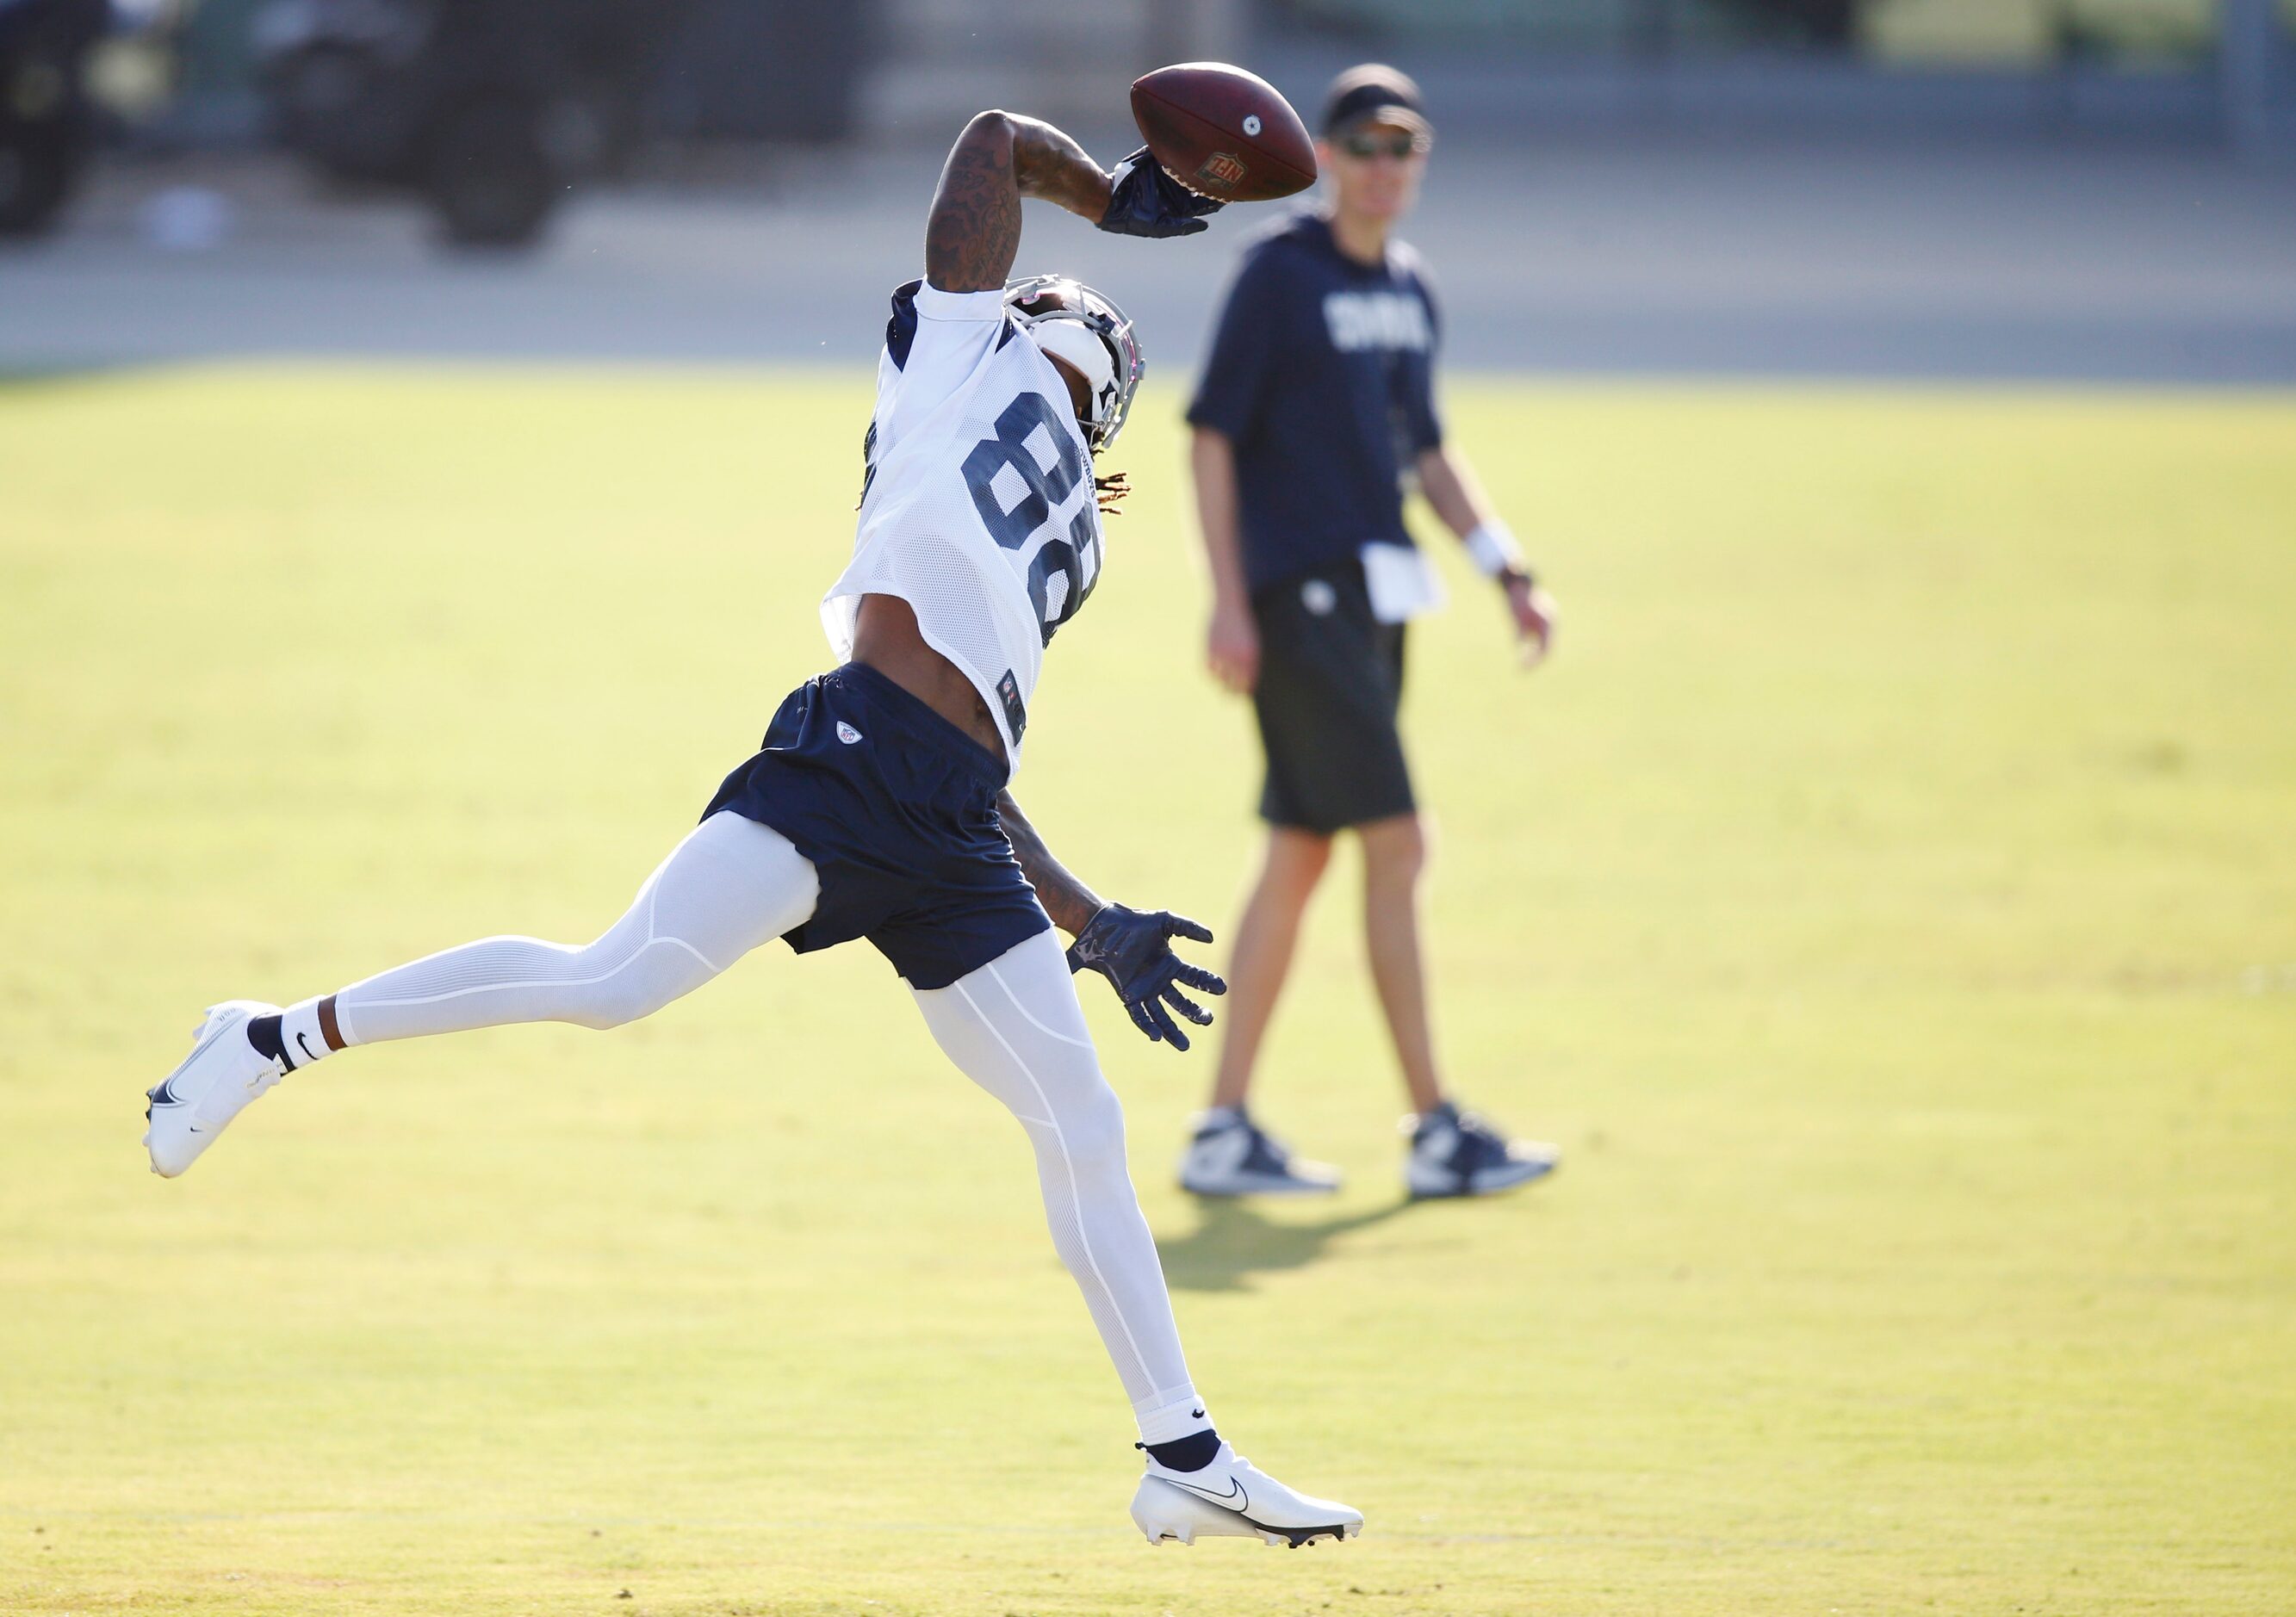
1316 403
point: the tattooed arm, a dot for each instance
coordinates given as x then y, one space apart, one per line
1131 948
974 228
1068 900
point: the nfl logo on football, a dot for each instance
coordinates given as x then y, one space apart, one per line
1224 169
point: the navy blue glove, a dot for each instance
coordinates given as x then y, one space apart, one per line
1133 952
1147 201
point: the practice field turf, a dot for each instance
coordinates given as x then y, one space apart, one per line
1887 898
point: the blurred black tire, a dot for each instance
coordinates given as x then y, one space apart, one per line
37 167
489 178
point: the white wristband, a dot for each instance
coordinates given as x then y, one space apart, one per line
1494 549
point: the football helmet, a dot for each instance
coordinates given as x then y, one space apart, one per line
1070 321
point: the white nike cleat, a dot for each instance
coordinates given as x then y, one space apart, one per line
197 1101
1233 1498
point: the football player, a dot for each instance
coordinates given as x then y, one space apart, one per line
878 807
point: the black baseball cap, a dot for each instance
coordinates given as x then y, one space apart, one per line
1374 93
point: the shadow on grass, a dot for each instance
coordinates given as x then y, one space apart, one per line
1232 1241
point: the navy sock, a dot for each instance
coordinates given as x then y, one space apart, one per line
263 1032
1193 1452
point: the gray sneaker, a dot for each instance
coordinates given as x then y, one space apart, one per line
1455 1153
1231 1156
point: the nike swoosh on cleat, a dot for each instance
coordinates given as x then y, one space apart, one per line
1235 1499
165 1094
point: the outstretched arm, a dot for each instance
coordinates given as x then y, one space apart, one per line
1132 949
974 228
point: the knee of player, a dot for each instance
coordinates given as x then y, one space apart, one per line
1092 1126
602 1015
620 1000
1298 859
1397 850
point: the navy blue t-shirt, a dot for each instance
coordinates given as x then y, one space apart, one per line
1322 374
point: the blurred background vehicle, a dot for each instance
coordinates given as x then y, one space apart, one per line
47 124
492 110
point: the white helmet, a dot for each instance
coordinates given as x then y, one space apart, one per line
1069 320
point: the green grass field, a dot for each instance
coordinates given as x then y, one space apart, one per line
1887 898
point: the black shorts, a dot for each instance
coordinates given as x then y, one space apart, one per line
896 807
1330 681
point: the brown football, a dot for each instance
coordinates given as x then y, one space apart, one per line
1224 132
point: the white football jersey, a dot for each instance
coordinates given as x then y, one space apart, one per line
979 509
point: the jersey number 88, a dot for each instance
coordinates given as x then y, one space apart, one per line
1075 560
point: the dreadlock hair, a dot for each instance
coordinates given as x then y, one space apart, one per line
1107 491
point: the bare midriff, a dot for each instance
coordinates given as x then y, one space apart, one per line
886 637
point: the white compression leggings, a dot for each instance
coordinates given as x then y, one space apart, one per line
1014 1026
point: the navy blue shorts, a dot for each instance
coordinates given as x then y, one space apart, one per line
896 807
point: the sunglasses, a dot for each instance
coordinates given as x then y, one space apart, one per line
1396 146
